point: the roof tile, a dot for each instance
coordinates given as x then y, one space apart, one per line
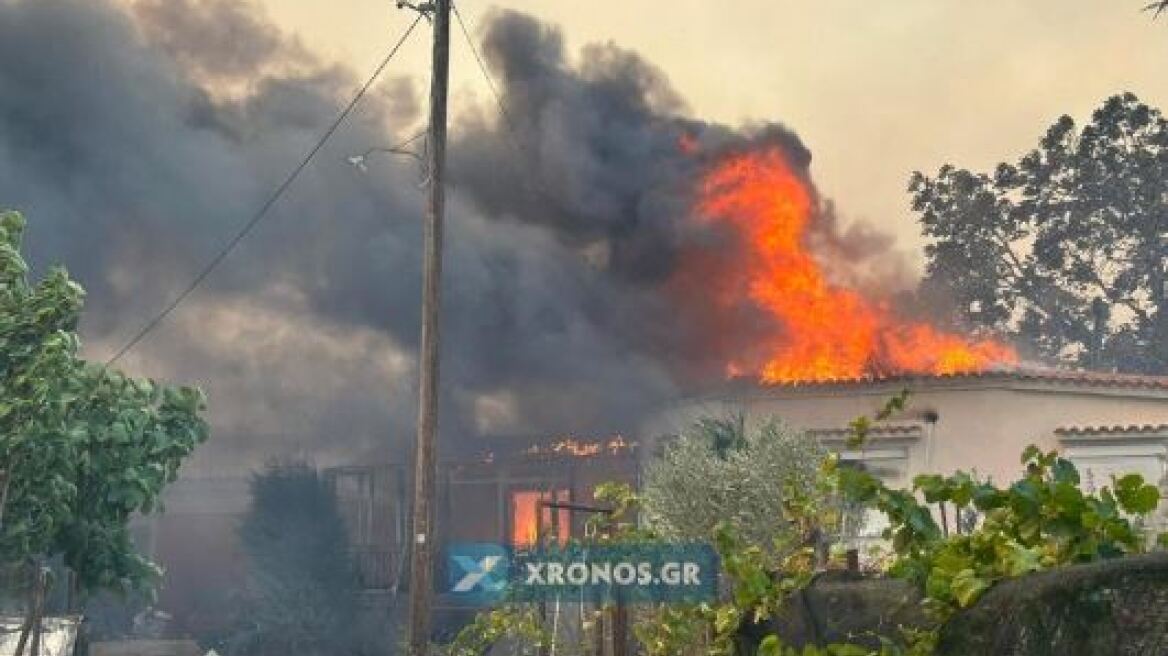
1130 429
1012 373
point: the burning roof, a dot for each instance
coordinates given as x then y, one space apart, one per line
817 328
993 375
516 449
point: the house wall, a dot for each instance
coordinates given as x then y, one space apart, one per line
477 496
983 425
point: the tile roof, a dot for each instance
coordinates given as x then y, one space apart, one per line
1036 374
879 430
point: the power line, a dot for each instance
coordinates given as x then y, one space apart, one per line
486 74
269 203
532 183
401 148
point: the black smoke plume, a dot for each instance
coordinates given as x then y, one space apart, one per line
137 141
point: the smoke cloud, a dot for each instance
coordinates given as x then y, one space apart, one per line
138 141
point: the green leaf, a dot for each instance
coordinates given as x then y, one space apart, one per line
1031 453
770 646
1025 497
859 429
1135 496
967 587
1064 471
933 486
1022 560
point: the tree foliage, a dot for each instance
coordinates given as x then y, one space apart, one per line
1041 521
84 446
759 481
1044 520
1065 249
300 596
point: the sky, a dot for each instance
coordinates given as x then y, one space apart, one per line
876 90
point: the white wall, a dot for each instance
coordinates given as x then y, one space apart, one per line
983 425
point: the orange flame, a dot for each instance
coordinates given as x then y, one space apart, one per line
824 331
570 446
531 520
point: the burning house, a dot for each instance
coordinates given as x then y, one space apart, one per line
974 421
657 255
971 421
759 307
514 492
787 336
979 421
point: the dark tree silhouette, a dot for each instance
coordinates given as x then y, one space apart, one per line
301 591
1067 249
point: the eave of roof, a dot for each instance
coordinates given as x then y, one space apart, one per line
997 377
1116 430
877 431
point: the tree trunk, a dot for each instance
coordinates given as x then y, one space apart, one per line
32 621
1100 316
3 494
1159 293
6 476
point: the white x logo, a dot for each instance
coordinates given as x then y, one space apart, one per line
477 571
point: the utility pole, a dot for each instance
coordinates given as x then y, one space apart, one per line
425 469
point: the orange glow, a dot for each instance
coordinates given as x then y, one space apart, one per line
821 330
526 507
570 446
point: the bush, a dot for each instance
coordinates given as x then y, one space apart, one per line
301 589
761 483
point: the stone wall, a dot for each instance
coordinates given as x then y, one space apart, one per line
838 607
1116 607
1111 608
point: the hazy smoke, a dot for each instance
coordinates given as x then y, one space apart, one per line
137 144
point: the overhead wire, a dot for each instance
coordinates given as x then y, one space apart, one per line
272 199
486 74
530 182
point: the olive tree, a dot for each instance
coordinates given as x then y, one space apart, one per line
761 482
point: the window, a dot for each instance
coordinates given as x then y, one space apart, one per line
1101 453
890 465
531 520
1097 465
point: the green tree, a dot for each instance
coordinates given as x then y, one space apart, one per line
761 482
1065 249
301 593
83 447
